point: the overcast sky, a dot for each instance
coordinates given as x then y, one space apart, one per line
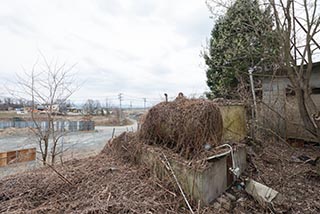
141 48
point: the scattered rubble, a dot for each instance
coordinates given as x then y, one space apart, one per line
264 195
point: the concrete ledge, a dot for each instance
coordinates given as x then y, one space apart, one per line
201 183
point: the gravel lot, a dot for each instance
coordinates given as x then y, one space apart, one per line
75 145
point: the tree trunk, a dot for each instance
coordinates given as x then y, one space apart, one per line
306 110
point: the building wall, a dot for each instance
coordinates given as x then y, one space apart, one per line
279 111
271 110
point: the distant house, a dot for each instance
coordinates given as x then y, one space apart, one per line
55 107
20 111
41 108
279 111
46 107
73 109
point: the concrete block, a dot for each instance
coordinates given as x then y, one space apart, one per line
205 184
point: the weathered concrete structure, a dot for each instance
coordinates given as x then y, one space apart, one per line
206 179
202 184
234 122
207 184
279 111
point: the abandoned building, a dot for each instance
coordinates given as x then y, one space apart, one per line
279 111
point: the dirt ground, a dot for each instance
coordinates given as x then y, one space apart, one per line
99 184
7 114
285 169
105 184
106 120
15 132
110 121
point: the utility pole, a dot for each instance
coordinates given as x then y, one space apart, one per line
107 106
120 112
144 103
254 108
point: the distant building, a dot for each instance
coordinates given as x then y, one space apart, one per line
73 109
20 111
41 108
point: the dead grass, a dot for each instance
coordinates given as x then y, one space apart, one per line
111 120
8 115
98 185
109 184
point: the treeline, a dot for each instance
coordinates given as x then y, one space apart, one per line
8 103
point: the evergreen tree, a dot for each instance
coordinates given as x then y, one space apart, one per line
239 40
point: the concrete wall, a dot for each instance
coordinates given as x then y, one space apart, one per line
204 184
234 122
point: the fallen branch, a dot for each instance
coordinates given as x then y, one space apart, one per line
159 185
58 173
180 188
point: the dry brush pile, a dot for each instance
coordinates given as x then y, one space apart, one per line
183 125
103 184
97 185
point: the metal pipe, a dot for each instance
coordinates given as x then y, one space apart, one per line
234 169
254 109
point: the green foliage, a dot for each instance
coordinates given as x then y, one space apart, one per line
239 40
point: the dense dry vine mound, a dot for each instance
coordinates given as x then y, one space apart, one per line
126 147
183 125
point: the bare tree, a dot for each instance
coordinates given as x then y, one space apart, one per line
47 84
297 55
92 107
89 107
